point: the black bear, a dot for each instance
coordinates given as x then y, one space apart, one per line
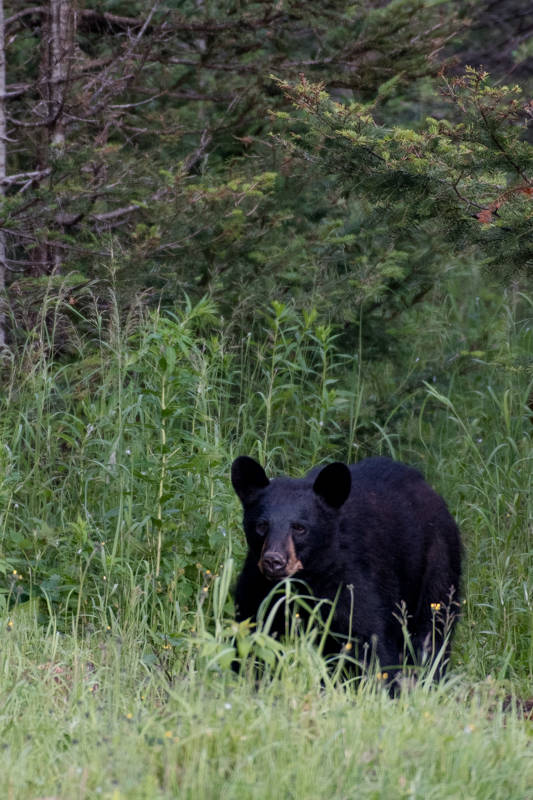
373 538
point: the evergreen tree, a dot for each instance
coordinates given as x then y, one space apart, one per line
155 145
467 182
143 138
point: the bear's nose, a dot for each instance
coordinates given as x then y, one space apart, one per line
274 564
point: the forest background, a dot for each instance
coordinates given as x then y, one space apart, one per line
297 230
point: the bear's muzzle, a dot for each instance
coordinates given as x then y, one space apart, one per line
276 565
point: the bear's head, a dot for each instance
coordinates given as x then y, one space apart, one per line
290 524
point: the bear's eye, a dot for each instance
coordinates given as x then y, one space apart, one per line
261 527
297 527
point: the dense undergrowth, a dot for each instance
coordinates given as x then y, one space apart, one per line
120 538
115 463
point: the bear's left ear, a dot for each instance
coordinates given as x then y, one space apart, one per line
333 484
247 477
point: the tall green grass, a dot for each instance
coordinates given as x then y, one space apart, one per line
118 459
120 538
114 456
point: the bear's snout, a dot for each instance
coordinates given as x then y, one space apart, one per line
273 564
277 564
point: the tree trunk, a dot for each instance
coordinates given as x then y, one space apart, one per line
57 53
61 30
3 168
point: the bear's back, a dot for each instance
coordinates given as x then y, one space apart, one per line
391 525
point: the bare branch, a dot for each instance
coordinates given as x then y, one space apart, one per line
22 177
118 212
91 19
114 23
140 102
26 12
193 158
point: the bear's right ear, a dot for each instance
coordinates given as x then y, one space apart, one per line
247 477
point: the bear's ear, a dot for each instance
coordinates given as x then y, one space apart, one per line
333 484
247 477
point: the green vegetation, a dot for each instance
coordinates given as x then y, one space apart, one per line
182 160
120 537
91 719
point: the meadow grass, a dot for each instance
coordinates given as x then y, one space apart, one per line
120 537
92 716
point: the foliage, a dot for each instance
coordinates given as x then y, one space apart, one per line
151 149
114 468
129 446
169 152
466 184
120 538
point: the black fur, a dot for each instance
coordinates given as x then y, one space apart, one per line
376 526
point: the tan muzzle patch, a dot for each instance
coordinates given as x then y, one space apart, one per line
293 564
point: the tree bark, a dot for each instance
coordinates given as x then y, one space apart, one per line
58 41
3 170
57 54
